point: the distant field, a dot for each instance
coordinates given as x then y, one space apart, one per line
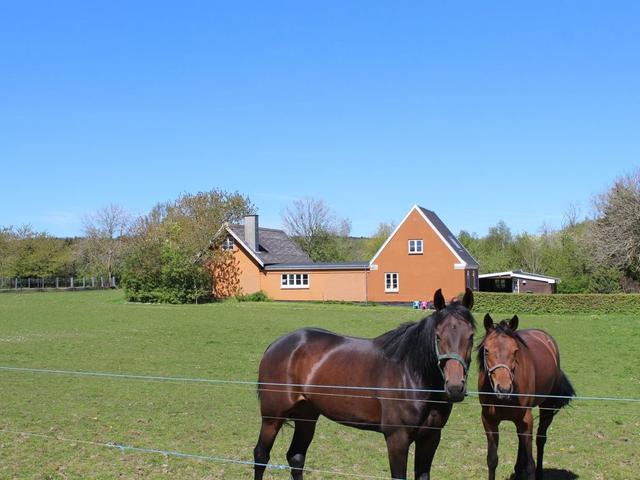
98 331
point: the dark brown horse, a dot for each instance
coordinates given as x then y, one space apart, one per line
401 384
519 370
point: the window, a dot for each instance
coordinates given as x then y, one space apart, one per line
415 247
228 244
391 283
294 280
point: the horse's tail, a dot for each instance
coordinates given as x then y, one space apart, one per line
564 391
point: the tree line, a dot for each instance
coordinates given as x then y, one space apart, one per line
168 254
596 255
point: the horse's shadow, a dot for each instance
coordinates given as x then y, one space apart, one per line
554 474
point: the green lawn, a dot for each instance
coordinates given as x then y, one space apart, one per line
98 331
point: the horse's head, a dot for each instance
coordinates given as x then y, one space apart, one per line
499 355
454 342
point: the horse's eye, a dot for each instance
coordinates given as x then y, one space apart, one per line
437 338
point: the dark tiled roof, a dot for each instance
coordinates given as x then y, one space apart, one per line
450 238
275 246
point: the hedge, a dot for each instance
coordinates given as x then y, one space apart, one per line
596 303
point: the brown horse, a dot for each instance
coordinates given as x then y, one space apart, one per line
519 370
401 384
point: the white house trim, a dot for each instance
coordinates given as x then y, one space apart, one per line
458 266
519 275
444 240
244 245
392 235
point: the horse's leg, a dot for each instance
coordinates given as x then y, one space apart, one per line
493 438
546 417
525 435
521 458
425 450
268 432
398 449
305 428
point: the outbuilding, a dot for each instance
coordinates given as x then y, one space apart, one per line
517 281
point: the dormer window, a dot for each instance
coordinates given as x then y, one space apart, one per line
227 245
415 247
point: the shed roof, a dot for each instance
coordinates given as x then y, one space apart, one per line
521 274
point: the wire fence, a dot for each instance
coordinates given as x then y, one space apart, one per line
290 386
373 392
56 283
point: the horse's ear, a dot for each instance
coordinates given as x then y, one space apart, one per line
438 300
467 300
513 323
488 322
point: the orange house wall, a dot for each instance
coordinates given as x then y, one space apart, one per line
347 285
323 285
249 271
419 275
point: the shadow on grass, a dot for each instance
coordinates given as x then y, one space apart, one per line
554 474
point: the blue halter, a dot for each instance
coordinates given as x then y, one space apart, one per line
450 356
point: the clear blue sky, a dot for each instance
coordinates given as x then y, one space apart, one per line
480 111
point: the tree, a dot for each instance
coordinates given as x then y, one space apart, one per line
101 250
616 228
172 250
316 230
378 238
27 253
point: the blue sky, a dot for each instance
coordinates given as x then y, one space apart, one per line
481 111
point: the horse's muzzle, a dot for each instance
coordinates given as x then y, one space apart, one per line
455 393
503 394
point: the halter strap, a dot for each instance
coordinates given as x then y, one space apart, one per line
450 356
490 370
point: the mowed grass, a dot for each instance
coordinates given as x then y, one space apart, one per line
100 332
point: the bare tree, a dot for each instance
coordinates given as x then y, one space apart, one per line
105 231
316 229
616 229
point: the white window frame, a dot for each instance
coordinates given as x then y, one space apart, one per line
415 243
391 289
294 280
228 244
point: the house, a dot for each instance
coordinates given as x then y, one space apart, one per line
517 281
420 256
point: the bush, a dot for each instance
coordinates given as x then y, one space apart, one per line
258 296
165 276
557 303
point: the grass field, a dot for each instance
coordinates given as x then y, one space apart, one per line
98 331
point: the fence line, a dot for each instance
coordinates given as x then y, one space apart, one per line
297 385
171 453
56 283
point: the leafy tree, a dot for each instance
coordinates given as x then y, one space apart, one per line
172 250
27 253
374 243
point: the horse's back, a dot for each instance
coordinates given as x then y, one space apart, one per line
325 370
544 358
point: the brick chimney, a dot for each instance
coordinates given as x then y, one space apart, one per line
251 232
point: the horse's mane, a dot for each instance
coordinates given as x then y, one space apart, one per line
504 329
413 343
